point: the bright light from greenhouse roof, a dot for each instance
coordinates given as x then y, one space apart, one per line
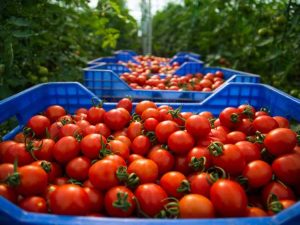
135 9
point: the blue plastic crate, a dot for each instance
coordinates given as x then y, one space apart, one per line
125 57
191 54
184 58
104 81
97 61
73 95
130 52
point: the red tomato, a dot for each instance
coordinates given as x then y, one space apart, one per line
133 157
44 149
95 115
150 124
69 199
8 193
249 150
96 199
197 153
181 142
134 129
247 111
258 173
3 148
92 144
198 126
140 145
150 113
280 190
235 136
39 124
102 174
255 212
145 169
61 181
164 129
117 159
151 198
17 151
163 158
207 114
33 180
228 198
124 139
52 169
282 122
182 165
143 105
116 119
280 141
230 159
119 148
246 127
230 117
119 202
66 149
175 184
125 103
102 128
200 184
264 124
196 206
287 168
82 124
34 204
54 130
6 169
78 168
69 130
54 112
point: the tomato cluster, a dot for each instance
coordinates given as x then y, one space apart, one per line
157 162
189 82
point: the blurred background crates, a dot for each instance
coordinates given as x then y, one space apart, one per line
72 95
104 81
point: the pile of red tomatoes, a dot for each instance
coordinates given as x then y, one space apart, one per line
155 162
189 82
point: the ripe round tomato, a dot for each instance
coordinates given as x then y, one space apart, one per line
180 142
102 174
249 150
258 173
95 115
255 212
117 159
54 112
140 145
198 126
282 121
195 155
175 184
230 117
125 103
196 206
33 180
52 169
245 126
124 139
6 169
200 184
134 129
116 119
96 199
3 148
164 129
133 157
17 151
231 160
235 136
39 124
8 193
182 165
78 168
151 198
66 149
143 105
119 202
44 149
69 199
150 124
163 158
69 130
34 204
228 198
119 148
145 169
91 145
287 168
150 113
280 141
264 124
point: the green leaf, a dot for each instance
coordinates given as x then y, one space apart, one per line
22 34
266 42
19 22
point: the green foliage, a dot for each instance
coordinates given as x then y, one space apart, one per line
51 40
261 37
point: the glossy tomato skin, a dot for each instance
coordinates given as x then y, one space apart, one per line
280 141
200 184
235 136
3 148
91 145
150 124
34 204
95 115
125 103
145 169
134 129
69 130
8 193
163 158
69 199
102 174
164 129
181 142
111 197
287 168
39 124
282 121
198 126
228 198
171 182
116 119
199 152
196 206
264 124
66 149
258 173
78 168
6 169
52 169
230 117
143 105
44 149
140 145
33 180
151 198
96 199
54 112
119 148
249 150
17 151
255 212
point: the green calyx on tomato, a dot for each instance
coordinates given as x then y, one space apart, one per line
121 202
184 187
131 180
274 204
46 166
215 173
216 148
14 179
234 118
170 210
198 164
